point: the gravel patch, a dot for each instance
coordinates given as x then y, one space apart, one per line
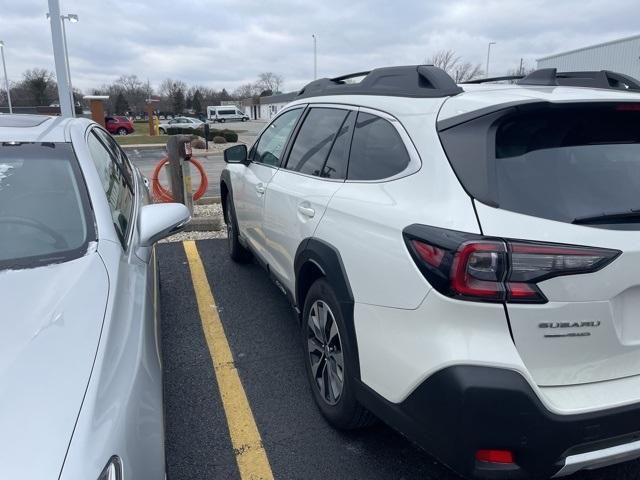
213 210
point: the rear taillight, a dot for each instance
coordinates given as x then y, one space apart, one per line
473 267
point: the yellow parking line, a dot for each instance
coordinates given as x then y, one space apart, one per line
247 444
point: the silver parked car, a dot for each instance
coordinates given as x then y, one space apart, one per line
80 368
180 122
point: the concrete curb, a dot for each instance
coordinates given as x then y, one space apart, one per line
204 224
207 200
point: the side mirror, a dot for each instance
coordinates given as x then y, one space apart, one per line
160 220
236 154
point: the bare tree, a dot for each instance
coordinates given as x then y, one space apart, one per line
451 63
270 81
247 90
40 85
134 91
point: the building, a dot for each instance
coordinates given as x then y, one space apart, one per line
622 56
265 108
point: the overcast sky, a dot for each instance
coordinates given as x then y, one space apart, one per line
224 43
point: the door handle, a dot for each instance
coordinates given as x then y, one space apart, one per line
306 211
260 189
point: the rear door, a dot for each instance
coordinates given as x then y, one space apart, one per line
298 195
563 174
252 182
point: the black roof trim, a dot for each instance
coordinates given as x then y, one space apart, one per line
481 112
591 79
415 81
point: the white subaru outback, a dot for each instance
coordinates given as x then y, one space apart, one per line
465 262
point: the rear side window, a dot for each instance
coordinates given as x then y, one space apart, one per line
315 139
560 162
377 151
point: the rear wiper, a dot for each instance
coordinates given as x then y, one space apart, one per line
609 217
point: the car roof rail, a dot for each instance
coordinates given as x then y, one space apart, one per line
492 79
591 79
416 81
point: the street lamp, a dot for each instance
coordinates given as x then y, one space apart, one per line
6 79
488 54
315 57
71 18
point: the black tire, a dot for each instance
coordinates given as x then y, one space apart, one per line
237 252
122 131
222 120
244 119
345 412
162 132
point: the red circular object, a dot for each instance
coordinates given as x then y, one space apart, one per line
162 194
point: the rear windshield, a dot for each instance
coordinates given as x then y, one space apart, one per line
561 162
43 205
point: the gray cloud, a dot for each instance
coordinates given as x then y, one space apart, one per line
224 43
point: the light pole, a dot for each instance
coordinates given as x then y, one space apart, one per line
488 54
6 79
72 18
315 57
61 61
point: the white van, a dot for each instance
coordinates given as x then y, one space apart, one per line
226 114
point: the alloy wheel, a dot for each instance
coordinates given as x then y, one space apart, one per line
325 352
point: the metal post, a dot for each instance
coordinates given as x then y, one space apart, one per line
315 57
66 106
488 54
6 79
179 171
66 56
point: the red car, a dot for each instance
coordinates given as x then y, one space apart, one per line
118 125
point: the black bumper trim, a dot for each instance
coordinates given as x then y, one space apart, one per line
461 409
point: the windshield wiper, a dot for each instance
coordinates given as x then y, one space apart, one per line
609 217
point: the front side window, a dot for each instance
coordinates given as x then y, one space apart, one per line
377 150
44 210
315 139
271 145
115 185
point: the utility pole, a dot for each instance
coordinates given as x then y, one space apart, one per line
6 79
62 71
488 55
315 57
521 71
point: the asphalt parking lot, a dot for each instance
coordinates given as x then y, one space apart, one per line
205 411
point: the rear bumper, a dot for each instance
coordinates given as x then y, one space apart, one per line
462 409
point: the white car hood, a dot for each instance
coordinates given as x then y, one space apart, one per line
50 323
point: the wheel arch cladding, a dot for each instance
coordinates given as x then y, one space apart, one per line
225 190
315 257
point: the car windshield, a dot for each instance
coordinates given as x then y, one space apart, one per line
43 205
